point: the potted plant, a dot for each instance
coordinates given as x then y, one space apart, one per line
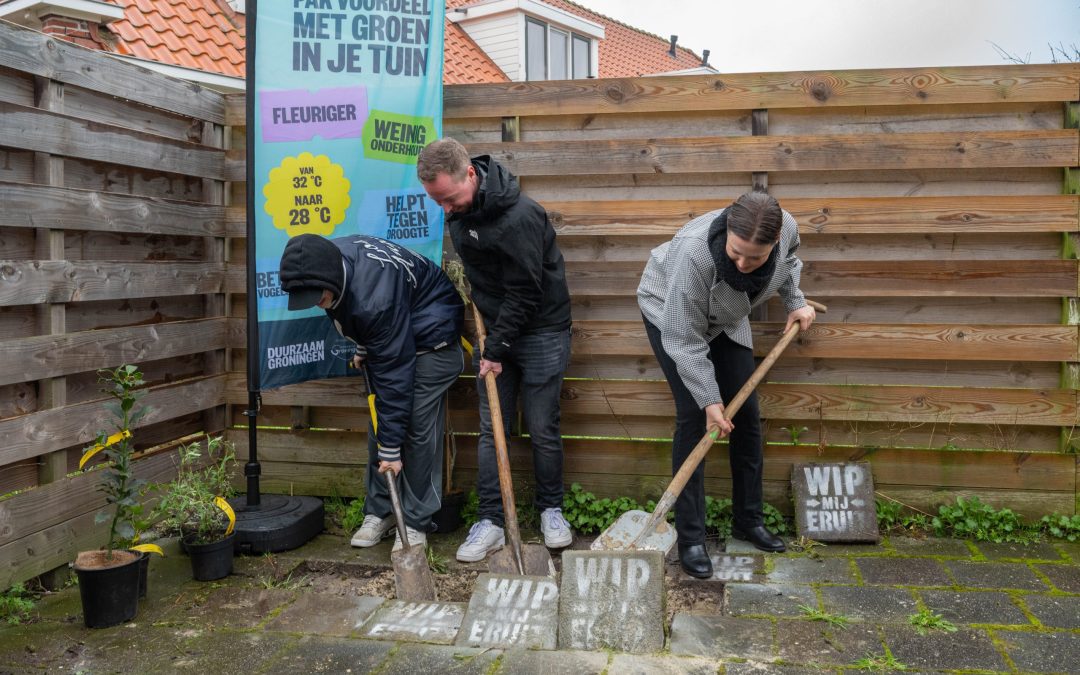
194 505
109 578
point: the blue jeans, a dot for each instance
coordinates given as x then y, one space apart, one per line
733 365
535 367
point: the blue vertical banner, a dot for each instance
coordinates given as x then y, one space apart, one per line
347 93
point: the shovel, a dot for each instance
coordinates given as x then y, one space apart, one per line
644 531
530 559
412 576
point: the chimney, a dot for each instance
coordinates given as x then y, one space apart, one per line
78 31
674 39
704 57
83 22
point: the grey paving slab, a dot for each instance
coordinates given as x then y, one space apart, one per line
410 659
1065 578
232 607
835 501
964 649
1071 550
1042 652
736 567
930 546
995 575
903 572
325 614
1055 611
647 664
511 611
312 654
819 643
533 662
993 607
720 636
759 668
734 546
812 570
436 622
1013 551
869 603
834 549
769 599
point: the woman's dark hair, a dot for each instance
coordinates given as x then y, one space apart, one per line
755 217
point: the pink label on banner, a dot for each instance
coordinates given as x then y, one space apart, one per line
300 115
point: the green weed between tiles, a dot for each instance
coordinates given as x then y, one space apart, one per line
880 663
926 620
437 562
814 614
16 603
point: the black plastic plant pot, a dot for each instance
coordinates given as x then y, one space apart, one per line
212 561
448 517
110 594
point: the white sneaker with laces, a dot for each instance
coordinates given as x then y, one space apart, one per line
556 530
484 537
415 537
372 531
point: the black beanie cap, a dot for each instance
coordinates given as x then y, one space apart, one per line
310 264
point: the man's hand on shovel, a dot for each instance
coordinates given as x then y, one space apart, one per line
385 466
714 417
493 367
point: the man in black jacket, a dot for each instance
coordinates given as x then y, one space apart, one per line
403 311
508 249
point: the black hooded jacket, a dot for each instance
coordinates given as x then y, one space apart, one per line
516 269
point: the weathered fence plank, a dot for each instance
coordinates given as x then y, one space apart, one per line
31 282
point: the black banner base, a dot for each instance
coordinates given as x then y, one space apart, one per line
279 523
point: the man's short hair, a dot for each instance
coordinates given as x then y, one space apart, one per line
443 156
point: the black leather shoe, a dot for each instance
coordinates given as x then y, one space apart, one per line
695 561
761 538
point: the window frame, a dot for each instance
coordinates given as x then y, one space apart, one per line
572 38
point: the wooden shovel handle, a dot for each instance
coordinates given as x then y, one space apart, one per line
395 502
502 457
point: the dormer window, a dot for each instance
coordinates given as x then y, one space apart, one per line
552 53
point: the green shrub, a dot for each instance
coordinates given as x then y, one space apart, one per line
1060 527
470 511
15 605
972 519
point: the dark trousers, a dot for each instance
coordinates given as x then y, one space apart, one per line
733 364
535 367
420 482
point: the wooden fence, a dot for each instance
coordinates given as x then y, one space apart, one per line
939 216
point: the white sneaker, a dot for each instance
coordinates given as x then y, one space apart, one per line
484 537
415 537
556 530
372 531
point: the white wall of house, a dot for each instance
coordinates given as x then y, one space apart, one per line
501 37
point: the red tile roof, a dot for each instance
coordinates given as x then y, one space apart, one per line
465 62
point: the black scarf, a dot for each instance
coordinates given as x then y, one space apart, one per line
753 283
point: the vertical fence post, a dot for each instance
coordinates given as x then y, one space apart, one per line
214 304
759 182
1070 371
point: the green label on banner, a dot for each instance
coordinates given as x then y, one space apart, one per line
393 137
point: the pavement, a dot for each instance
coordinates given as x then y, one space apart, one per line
323 608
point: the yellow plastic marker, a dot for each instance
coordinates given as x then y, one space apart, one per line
224 506
149 548
467 345
371 409
98 447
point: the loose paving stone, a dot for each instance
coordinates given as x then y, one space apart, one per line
930 546
817 642
1042 652
995 575
992 607
717 637
1007 550
835 501
1055 611
511 611
233 607
812 570
1065 578
903 572
869 603
771 599
613 600
325 614
436 622
312 654
644 664
964 649
736 567
532 662
410 659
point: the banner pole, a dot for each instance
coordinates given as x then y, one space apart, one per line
252 469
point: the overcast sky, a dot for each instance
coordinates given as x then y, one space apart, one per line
779 35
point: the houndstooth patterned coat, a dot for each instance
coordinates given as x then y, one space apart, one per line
680 293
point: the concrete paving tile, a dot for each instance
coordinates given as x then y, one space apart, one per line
930 546
1055 611
759 668
769 599
530 662
992 607
819 643
1012 551
647 664
1070 549
995 575
812 570
1066 578
233 607
718 637
903 572
325 614
1042 652
869 603
410 659
834 549
964 649
312 654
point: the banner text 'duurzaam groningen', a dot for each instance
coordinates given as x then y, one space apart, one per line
347 93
